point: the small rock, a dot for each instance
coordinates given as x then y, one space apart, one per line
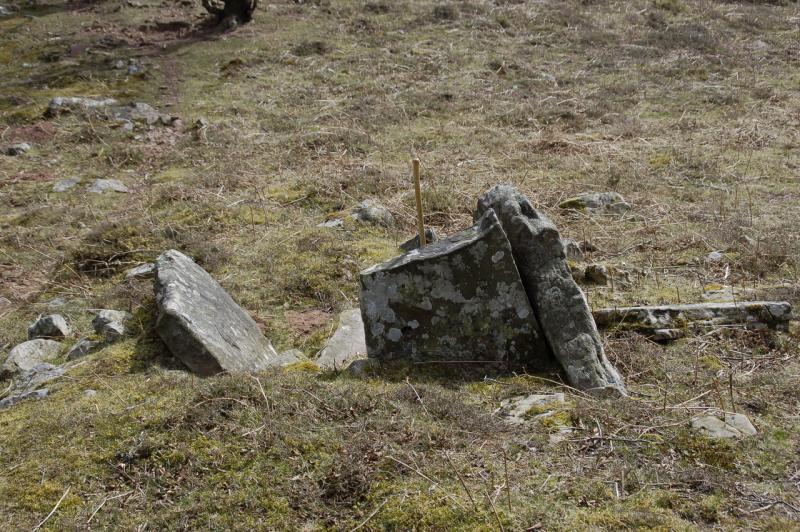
28 354
33 378
83 347
137 112
597 202
714 256
111 323
597 274
4 11
572 250
371 212
143 271
50 326
362 368
61 105
346 344
524 408
17 149
413 243
120 64
56 302
134 70
90 393
733 426
14 399
101 185
62 185
336 223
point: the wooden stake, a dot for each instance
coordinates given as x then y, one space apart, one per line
418 193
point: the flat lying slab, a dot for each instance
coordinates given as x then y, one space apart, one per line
459 299
202 325
668 322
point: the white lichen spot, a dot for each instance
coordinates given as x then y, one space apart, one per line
413 324
394 334
497 257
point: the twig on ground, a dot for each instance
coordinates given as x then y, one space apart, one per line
37 527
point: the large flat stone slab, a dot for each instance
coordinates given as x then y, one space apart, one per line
558 303
459 299
202 325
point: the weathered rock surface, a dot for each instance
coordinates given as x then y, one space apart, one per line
202 325
27 383
669 322
371 212
82 347
143 271
111 323
517 410
347 343
102 185
572 250
60 105
62 185
458 299
596 274
336 223
17 149
559 305
50 326
27 355
597 202
413 243
13 399
732 426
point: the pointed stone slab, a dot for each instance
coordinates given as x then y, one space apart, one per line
202 325
558 303
346 344
460 299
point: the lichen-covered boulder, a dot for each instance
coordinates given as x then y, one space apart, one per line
27 355
460 299
202 325
558 303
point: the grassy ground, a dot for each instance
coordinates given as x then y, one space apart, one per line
688 109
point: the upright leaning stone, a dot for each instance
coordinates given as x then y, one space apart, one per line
458 299
202 325
558 303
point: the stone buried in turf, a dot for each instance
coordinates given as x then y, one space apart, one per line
459 299
202 325
558 303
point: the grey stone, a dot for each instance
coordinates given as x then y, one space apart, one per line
517 410
371 212
102 185
4 11
362 368
50 326
136 112
413 243
597 202
458 299
572 250
654 321
60 105
732 426
82 347
559 305
111 323
336 223
143 271
202 325
36 376
287 358
346 344
63 185
11 400
90 393
134 70
27 355
17 149
596 273
714 256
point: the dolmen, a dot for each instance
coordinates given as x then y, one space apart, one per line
499 291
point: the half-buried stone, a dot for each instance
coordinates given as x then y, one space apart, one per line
202 325
459 299
558 303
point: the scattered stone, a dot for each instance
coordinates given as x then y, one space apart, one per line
732 426
202 325
56 302
596 274
143 271
597 202
346 344
458 299
63 185
17 149
4 11
61 105
90 393
83 347
572 250
362 368
559 305
413 243
522 408
111 323
667 322
27 355
371 212
714 256
101 185
138 112
50 326
336 223
14 399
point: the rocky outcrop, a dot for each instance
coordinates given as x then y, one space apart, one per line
346 344
50 326
558 303
27 355
669 322
459 299
202 325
